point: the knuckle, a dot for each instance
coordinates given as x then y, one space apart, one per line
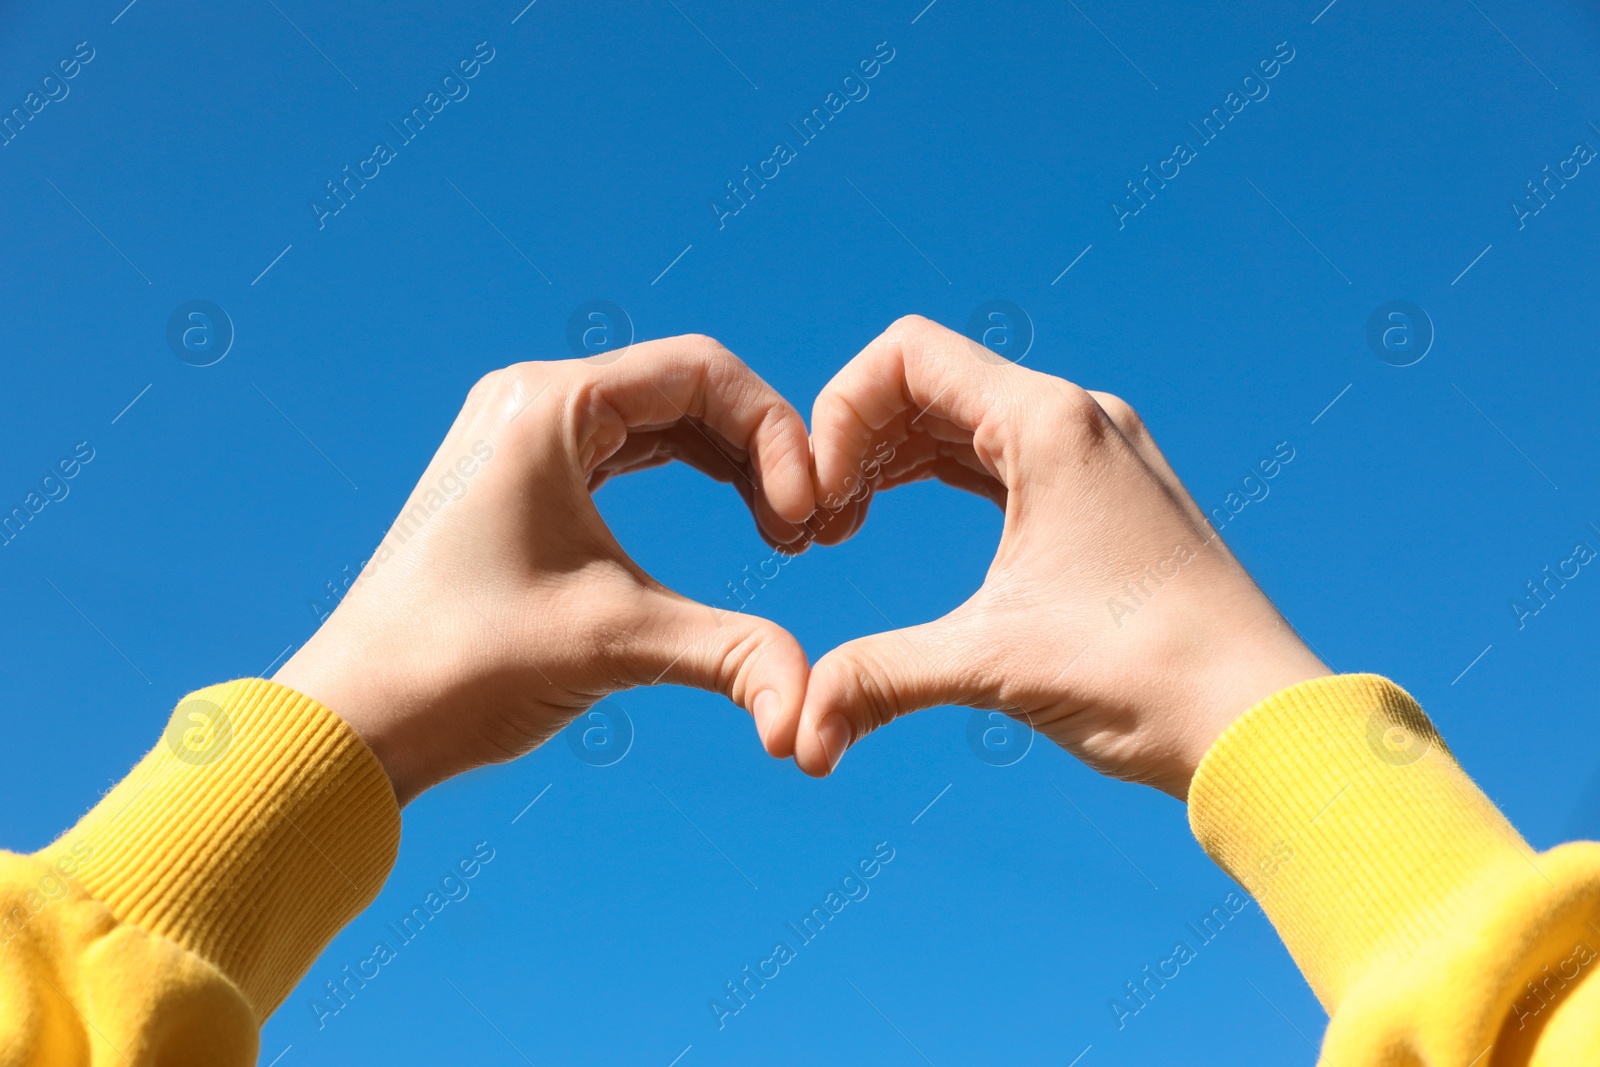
483 389
873 694
732 669
782 449
1122 413
509 392
708 348
1078 409
914 329
713 365
1065 417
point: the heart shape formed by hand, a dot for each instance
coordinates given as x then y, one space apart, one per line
1098 528
488 619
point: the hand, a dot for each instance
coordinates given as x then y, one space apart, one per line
1113 619
500 606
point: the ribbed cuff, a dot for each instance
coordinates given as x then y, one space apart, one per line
1336 804
257 828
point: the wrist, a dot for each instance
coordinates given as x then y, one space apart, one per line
1263 663
322 670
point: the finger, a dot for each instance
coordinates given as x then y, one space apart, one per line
831 527
917 459
703 449
865 683
954 471
656 383
753 662
915 371
680 441
927 444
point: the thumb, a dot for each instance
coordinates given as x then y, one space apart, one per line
752 661
865 683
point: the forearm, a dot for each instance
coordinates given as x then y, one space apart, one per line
1417 913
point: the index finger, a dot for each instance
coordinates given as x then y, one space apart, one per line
915 376
657 383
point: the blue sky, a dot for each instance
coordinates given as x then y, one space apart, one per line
581 162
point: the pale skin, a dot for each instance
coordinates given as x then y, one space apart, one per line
508 610
511 609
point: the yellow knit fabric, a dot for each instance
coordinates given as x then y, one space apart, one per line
1431 932
182 909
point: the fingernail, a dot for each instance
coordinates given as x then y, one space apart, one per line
834 733
764 708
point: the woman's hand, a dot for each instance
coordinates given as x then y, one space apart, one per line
1113 619
499 606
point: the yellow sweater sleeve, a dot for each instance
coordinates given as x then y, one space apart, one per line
1431 932
169 923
